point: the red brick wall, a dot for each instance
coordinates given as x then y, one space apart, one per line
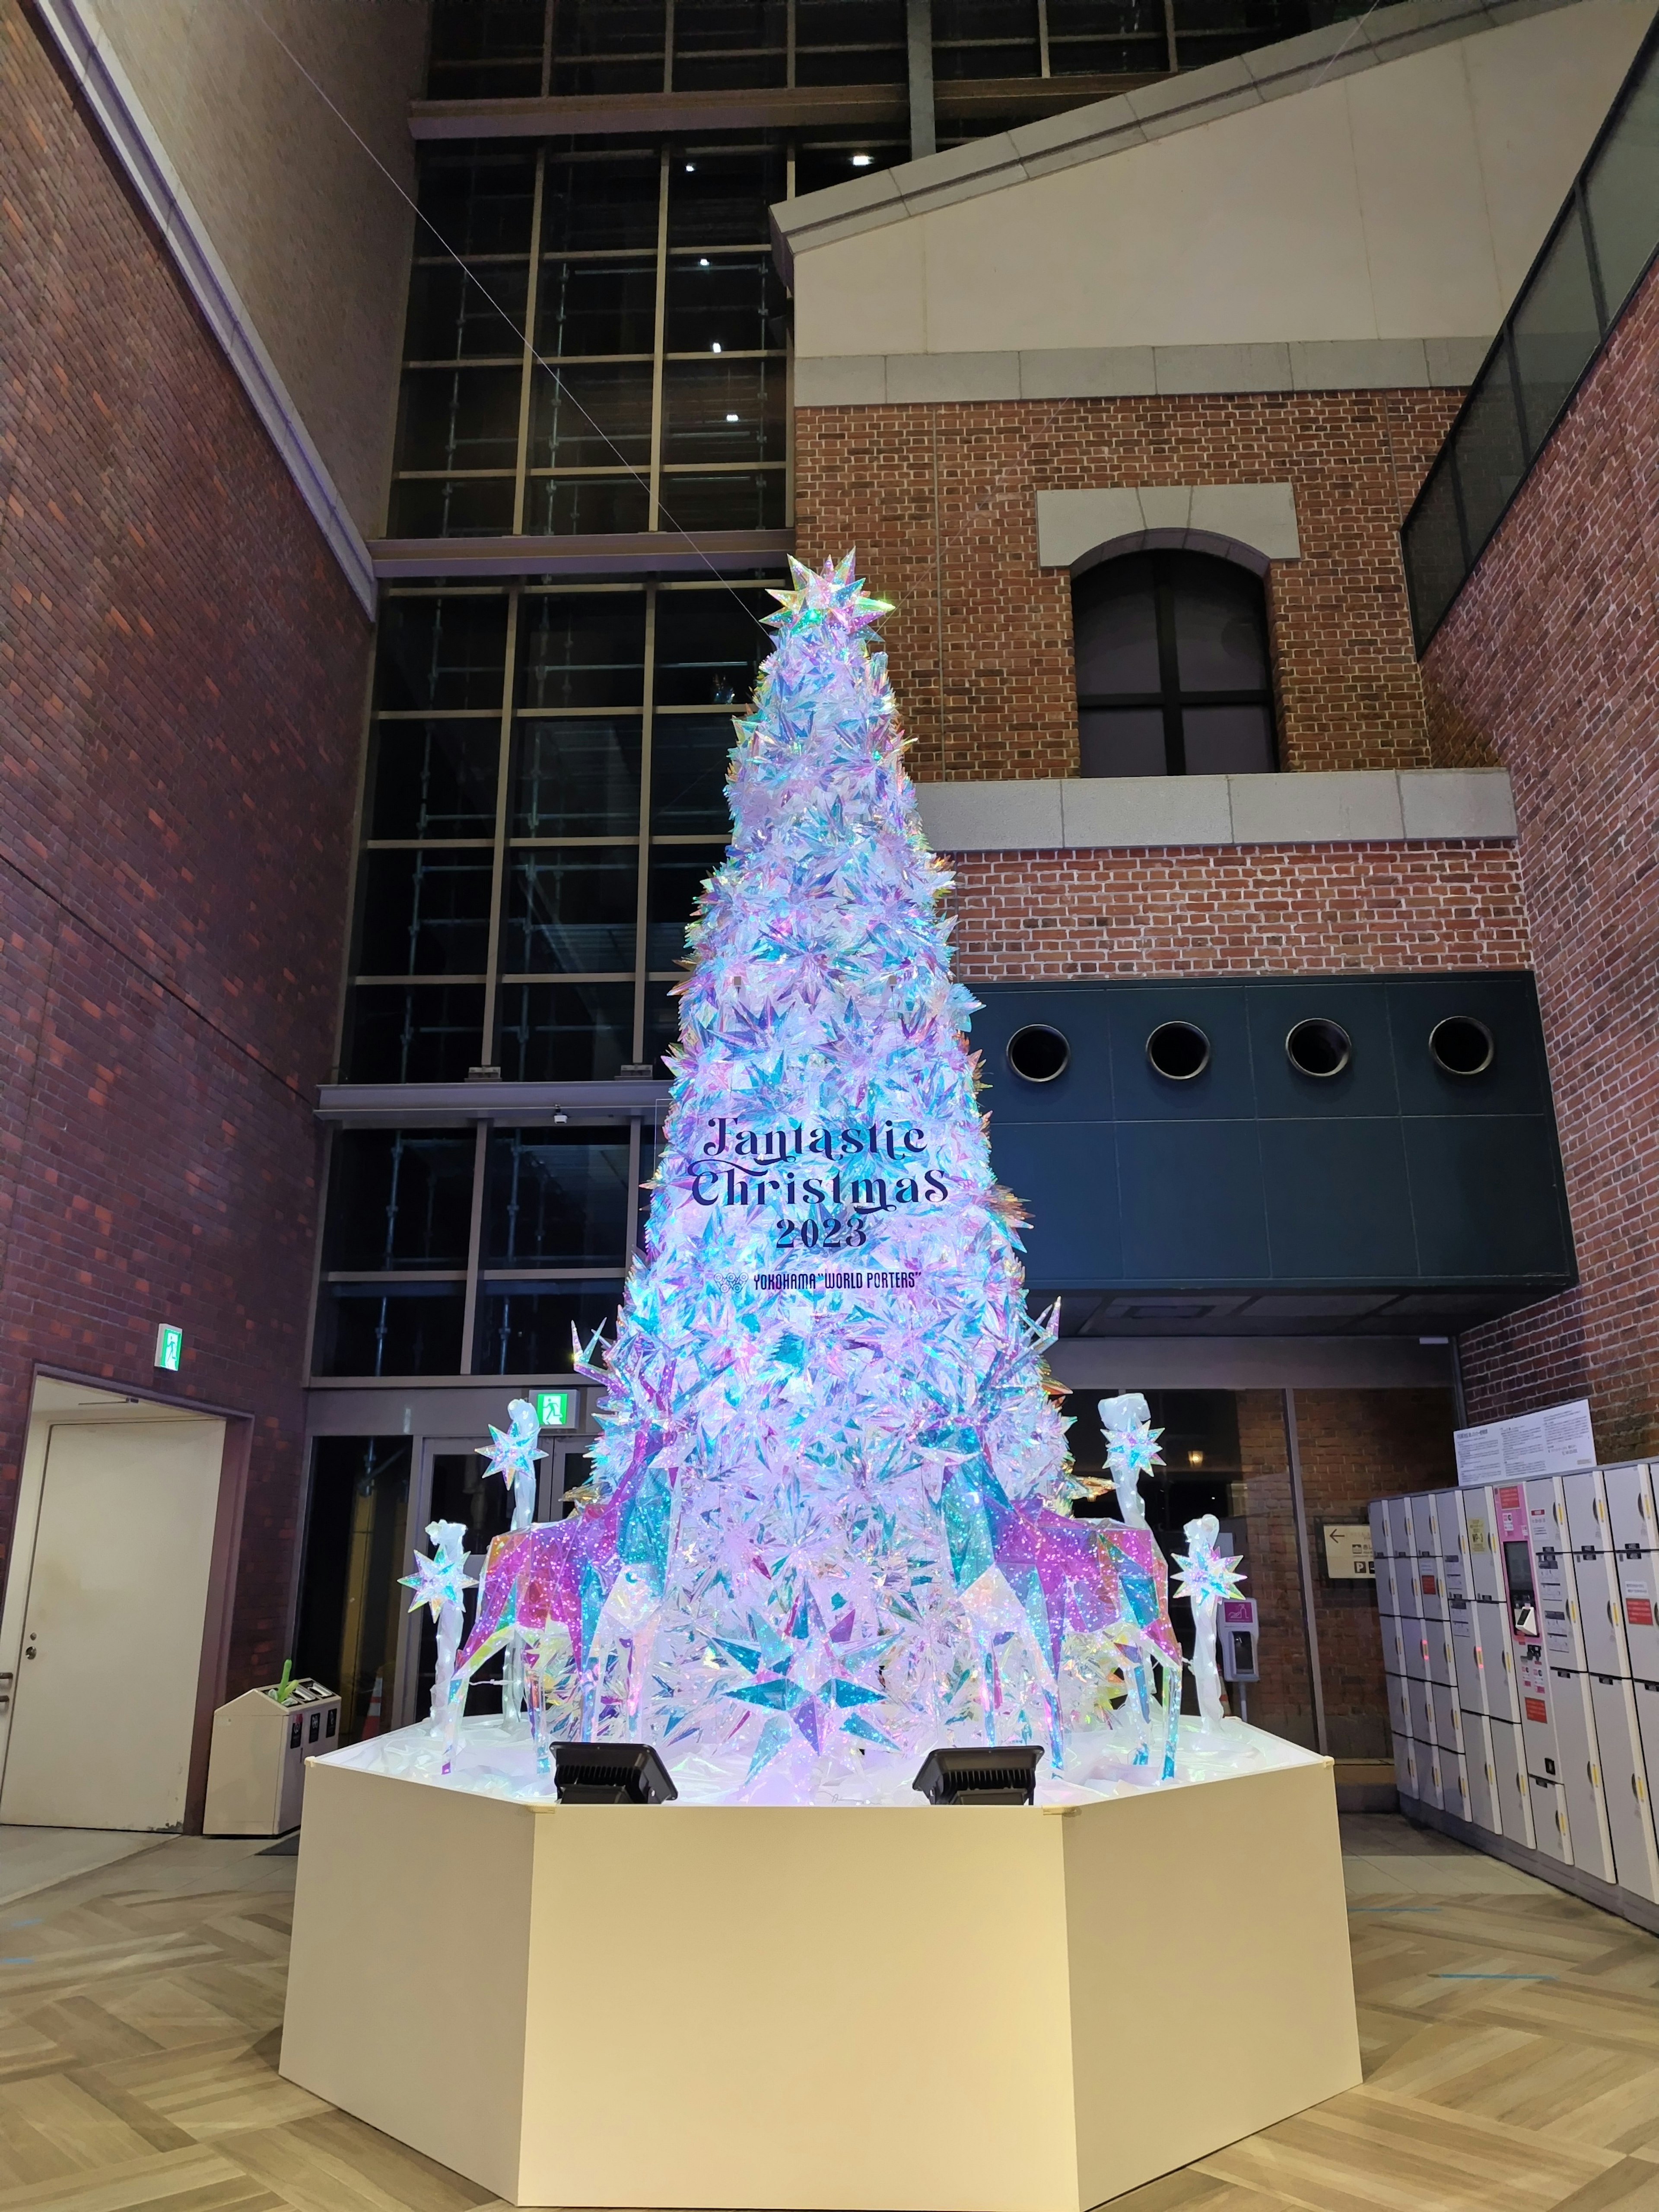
1252 910
1551 657
940 502
183 669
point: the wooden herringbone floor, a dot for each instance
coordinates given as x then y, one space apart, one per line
1511 2039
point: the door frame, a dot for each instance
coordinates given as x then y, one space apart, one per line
213 1670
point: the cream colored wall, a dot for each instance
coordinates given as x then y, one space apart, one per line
314 237
1405 201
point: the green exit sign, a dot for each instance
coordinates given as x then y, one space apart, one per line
169 1347
553 1408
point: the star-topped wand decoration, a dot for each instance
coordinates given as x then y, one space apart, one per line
1206 1576
512 1454
441 1581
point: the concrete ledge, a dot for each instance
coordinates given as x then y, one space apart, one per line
1104 127
876 379
1254 523
1102 813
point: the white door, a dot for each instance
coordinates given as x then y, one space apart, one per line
105 1703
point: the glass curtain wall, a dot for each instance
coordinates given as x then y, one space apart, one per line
546 795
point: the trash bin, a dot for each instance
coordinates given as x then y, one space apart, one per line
257 1767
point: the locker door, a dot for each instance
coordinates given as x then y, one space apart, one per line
1539 1749
1405 1775
1549 1821
1624 1779
1485 1576
1382 1548
1394 1644
1636 1572
1581 1774
1600 1612
1513 1789
1466 1657
1454 1784
1422 1710
1431 1559
1400 1704
1497 1663
1586 1500
1629 1491
1439 1662
1480 1774
1414 1653
1428 1777
1447 1721
1402 1539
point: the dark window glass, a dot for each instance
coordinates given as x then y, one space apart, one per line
389 1328
526 1328
596 202
688 759
722 410
400 1198
454 312
351 1607
610 27
476 200
448 506
985 37
719 196
1121 740
565 1032
578 649
705 72
870 33
1433 548
1116 628
414 1033
662 1029
1622 191
557 1198
1106 36
732 499
592 416
1486 450
817 165
424 913
568 507
433 779
1209 30
460 418
1171 651
571 911
596 307
678 873
1556 330
709 644
725 299
576 778
442 652
485 49
720 26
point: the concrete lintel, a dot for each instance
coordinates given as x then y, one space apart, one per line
1257 519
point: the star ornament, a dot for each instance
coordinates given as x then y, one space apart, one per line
436 1582
831 594
1134 1451
1206 1577
513 1452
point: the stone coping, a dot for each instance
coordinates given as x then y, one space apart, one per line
1096 813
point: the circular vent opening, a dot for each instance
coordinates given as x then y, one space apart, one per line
1319 1048
1462 1046
1178 1051
1038 1054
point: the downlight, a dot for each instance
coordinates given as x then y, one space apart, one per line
1178 1051
1319 1048
1038 1054
1462 1046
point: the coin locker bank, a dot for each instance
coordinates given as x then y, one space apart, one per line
1522 1650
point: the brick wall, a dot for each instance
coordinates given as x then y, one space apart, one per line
1551 657
940 502
182 669
1255 909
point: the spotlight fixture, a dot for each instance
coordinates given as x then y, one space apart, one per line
559 1116
986 1774
610 1774
731 418
1194 1459
715 347
860 160
689 168
703 262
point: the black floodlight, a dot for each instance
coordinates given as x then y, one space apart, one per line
1002 1774
610 1774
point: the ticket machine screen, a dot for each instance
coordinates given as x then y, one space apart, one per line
1517 1574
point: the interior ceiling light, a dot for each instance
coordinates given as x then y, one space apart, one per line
731 418
715 347
703 264
690 167
860 160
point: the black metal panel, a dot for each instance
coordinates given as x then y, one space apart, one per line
1339 1201
1485 1195
1085 1090
1192 1205
1223 1091
1066 1176
1366 1086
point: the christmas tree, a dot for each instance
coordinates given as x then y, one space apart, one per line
829 1525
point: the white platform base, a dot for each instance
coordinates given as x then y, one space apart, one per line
870 2008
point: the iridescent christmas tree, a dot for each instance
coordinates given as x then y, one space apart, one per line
829 1525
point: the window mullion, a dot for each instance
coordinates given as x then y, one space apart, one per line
474 1243
498 854
531 288
643 887
655 517
1168 669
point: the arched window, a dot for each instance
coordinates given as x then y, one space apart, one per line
1172 673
